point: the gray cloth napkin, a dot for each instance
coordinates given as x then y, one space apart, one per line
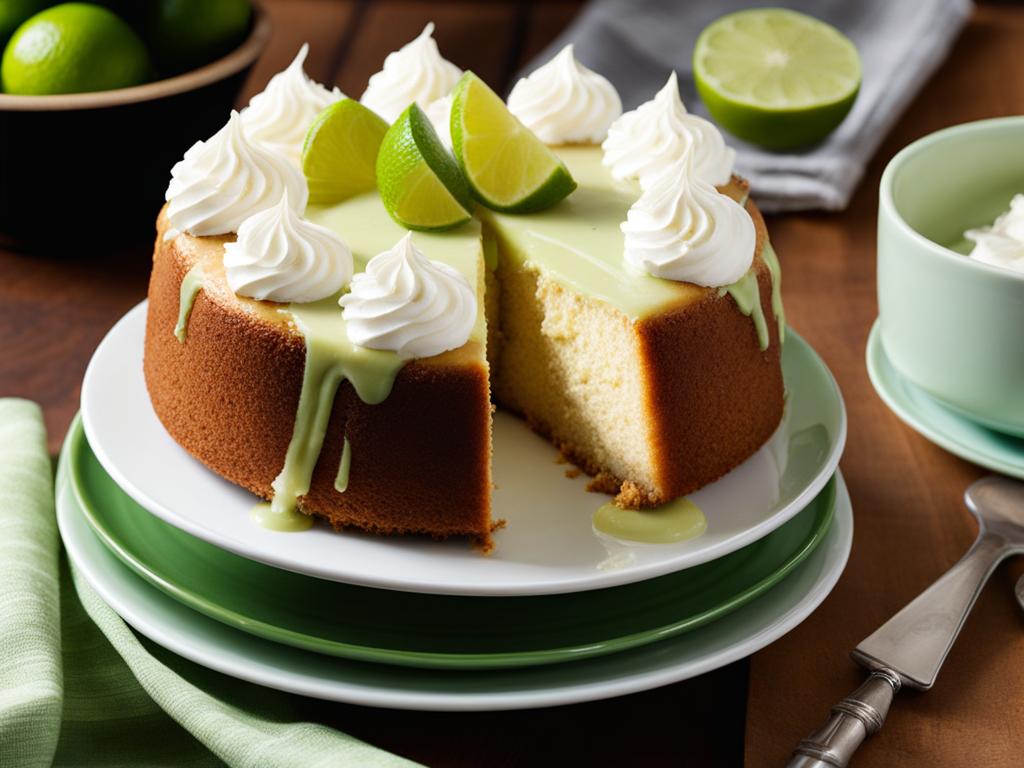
634 43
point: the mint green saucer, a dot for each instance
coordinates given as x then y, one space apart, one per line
429 630
943 426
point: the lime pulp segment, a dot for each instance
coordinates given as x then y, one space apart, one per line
339 155
507 166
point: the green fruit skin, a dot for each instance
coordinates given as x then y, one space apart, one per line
545 197
399 142
82 62
184 34
13 13
781 130
441 163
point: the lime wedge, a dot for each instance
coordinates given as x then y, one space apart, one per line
419 181
507 166
339 155
775 77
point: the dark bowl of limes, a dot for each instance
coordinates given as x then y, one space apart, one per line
99 99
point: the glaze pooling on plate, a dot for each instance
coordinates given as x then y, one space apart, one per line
678 520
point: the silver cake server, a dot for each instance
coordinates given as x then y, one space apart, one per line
910 647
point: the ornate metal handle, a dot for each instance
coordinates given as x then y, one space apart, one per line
853 719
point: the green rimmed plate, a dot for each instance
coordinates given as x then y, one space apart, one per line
431 630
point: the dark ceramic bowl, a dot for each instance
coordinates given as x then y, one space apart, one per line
93 167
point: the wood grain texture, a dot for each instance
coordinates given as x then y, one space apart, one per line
910 522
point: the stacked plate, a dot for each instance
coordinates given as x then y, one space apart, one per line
556 614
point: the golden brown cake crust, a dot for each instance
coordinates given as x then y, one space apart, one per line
229 394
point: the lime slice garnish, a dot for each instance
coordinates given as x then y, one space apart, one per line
419 181
339 155
507 166
775 77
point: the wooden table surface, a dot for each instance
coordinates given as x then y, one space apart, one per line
910 522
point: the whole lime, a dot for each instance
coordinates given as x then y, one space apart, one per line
189 33
73 48
14 12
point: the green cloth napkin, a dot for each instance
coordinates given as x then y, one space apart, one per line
77 687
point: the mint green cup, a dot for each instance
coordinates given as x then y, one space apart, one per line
951 325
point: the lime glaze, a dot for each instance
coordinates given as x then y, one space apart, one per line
292 522
365 226
190 285
344 467
746 292
332 359
775 269
678 520
579 244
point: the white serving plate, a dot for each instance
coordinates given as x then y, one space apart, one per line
548 546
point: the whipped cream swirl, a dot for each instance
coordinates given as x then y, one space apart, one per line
222 181
682 228
1002 244
645 142
439 113
280 116
563 102
415 73
406 303
279 256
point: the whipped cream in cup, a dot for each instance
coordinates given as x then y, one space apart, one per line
222 181
1002 244
408 304
563 102
414 73
684 229
279 256
645 142
281 114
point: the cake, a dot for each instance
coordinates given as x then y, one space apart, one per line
580 318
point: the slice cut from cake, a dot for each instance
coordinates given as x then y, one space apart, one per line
653 386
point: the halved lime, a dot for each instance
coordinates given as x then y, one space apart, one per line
339 155
507 166
775 77
419 181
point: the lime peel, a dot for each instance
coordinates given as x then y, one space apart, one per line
420 183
